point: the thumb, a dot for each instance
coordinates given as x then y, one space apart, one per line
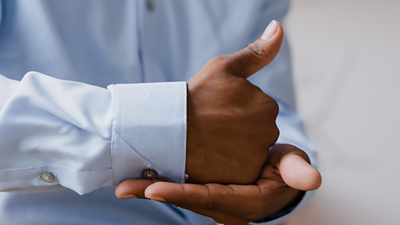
294 167
258 54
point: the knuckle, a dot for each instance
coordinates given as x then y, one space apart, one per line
270 110
274 110
222 64
208 202
255 51
275 107
218 62
275 134
271 105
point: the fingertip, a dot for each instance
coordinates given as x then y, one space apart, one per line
166 192
126 196
256 55
299 174
161 189
273 36
122 188
135 187
317 180
270 31
156 198
312 180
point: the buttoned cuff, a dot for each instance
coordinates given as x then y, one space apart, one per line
149 130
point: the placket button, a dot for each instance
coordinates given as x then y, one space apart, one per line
150 5
149 174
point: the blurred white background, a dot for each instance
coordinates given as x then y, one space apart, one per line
346 57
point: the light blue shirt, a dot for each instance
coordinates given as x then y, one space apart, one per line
113 100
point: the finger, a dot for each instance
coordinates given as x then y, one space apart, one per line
256 55
230 204
133 188
184 195
294 167
202 196
210 200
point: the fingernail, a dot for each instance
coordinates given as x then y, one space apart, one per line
156 197
270 31
126 196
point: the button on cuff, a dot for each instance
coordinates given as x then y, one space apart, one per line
47 177
149 174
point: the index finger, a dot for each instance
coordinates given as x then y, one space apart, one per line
224 198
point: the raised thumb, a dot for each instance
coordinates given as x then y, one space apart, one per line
256 55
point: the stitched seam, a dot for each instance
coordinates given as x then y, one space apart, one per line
51 165
185 132
114 98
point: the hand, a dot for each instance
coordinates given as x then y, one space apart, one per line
231 122
287 170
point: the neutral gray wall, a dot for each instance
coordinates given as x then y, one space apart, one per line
347 73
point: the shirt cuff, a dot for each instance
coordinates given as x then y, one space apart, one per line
149 130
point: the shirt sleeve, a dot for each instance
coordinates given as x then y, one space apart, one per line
87 136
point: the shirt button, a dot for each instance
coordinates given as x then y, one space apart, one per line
149 174
47 177
150 5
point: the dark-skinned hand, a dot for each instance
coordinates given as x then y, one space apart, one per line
286 171
217 95
231 122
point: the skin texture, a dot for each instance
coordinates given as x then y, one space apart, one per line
231 126
281 179
231 122
233 179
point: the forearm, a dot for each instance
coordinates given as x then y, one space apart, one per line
87 136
